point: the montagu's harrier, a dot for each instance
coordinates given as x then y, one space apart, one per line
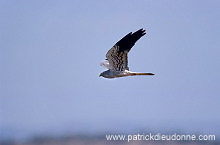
117 57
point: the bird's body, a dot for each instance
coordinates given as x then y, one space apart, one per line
116 74
117 57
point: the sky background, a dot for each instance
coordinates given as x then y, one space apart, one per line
50 53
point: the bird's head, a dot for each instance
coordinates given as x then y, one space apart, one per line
107 74
101 74
104 74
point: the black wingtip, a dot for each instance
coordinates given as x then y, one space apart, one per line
141 31
128 41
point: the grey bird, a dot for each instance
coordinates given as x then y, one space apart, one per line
117 57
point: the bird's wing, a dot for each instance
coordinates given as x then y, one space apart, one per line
118 54
105 64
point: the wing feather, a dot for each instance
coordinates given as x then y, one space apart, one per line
105 64
118 54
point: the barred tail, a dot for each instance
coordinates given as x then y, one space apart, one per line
137 73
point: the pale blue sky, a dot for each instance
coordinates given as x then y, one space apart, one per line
50 53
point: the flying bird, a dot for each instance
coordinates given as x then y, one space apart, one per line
117 57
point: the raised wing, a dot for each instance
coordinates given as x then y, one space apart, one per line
118 54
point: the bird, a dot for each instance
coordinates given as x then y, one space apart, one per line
116 61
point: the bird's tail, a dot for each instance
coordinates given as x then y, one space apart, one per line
138 73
